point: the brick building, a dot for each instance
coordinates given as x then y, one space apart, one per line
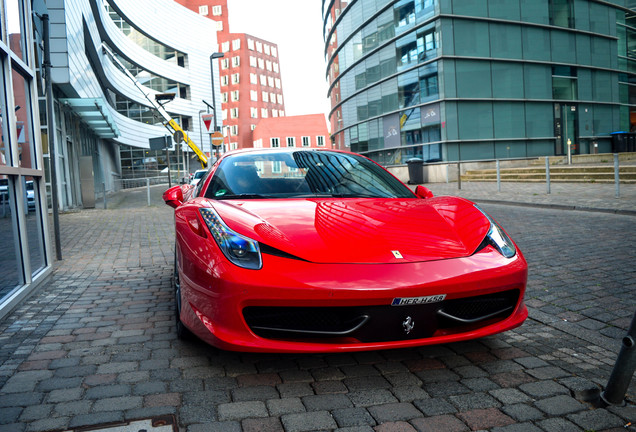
251 87
296 131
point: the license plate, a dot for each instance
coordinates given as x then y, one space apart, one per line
405 301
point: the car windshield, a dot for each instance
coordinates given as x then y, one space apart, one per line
302 174
198 174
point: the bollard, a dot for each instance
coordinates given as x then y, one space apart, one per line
459 175
104 190
616 176
498 177
148 190
623 369
547 174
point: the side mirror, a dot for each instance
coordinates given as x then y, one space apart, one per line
423 192
173 196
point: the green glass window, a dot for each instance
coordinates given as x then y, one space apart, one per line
471 38
534 11
473 79
563 45
471 8
504 9
536 43
561 13
505 41
475 120
537 81
509 119
507 80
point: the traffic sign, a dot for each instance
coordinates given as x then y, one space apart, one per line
217 138
207 120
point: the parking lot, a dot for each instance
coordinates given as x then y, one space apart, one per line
97 344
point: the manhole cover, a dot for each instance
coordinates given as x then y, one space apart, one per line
155 424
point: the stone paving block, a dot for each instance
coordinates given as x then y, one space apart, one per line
543 389
510 396
597 419
518 427
329 387
9 414
446 423
394 412
205 398
558 425
485 418
474 401
241 410
399 426
270 424
559 405
367 398
304 422
409 393
366 383
21 399
356 429
279 407
522 412
348 417
479 384
48 424
118 403
295 389
108 391
436 406
189 414
96 418
326 402
215 427
254 393
443 389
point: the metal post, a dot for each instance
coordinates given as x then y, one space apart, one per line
104 192
52 136
168 159
459 175
547 174
616 177
623 369
498 176
148 190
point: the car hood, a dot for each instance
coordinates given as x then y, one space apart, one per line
360 230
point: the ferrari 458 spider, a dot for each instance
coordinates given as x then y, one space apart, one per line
305 250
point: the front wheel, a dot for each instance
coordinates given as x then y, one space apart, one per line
182 331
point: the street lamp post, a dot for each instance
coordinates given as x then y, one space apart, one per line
213 56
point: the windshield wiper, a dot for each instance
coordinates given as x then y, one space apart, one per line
242 196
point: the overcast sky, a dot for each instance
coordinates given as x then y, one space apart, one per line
296 27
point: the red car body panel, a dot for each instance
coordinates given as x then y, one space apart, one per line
339 253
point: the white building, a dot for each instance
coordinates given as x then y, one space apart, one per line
104 121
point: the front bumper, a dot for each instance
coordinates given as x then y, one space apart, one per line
296 306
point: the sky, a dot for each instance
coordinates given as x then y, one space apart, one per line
296 27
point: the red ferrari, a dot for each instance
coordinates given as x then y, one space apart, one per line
305 250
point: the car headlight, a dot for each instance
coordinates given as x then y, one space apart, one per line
498 238
240 250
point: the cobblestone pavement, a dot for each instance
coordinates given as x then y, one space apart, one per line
96 344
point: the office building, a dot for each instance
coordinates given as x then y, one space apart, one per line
465 80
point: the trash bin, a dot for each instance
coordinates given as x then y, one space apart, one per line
416 170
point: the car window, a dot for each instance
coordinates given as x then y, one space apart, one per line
297 174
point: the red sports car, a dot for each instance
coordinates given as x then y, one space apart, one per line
305 250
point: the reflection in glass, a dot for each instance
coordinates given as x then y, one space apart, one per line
9 273
16 41
22 100
34 226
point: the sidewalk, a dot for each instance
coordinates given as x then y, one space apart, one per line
567 196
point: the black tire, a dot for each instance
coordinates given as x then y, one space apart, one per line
182 331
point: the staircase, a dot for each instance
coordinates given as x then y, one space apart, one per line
584 169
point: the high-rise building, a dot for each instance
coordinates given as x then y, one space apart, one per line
464 80
251 86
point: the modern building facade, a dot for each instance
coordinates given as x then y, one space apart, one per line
457 80
25 258
103 119
304 131
251 85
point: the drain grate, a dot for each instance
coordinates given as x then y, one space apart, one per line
165 423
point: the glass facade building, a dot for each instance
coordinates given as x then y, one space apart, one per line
453 80
25 259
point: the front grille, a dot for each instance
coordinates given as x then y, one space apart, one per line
379 323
